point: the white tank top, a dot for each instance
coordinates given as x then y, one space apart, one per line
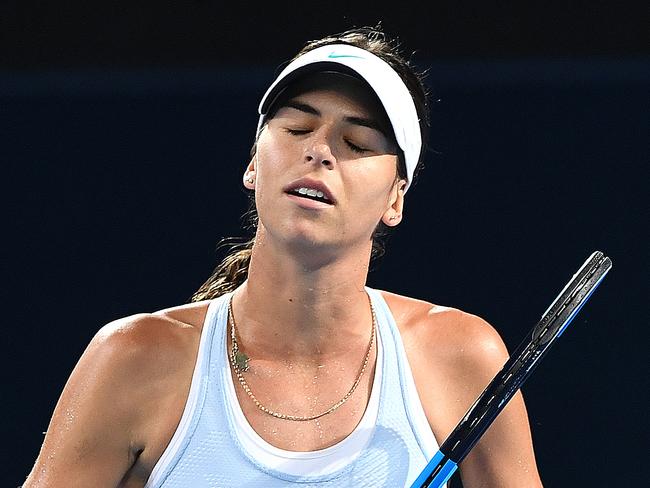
215 446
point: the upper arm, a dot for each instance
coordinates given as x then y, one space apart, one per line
504 455
469 353
92 439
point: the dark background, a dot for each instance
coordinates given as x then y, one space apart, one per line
125 127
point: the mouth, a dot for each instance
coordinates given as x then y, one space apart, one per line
311 190
311 194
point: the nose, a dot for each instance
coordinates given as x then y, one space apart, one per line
319 151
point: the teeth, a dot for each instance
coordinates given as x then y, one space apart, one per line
311 192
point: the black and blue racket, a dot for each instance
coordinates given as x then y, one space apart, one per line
516 370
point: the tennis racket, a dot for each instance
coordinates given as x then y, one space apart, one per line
516 370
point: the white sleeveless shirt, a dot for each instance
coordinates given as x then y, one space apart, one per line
215 446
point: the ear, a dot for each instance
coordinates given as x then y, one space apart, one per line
249 174
393 215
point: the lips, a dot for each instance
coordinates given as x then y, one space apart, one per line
311 189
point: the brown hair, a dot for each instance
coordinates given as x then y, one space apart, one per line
233 269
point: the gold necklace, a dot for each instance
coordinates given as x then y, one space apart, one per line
239 362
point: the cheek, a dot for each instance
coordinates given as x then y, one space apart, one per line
272 155
272 161
372 183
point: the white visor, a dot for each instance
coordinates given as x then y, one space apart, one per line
384 80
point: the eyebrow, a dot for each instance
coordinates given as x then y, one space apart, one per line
362 121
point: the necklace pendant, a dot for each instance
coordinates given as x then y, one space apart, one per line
241 361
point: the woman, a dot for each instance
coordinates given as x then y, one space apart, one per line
286 368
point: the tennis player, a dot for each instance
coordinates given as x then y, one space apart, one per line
286 368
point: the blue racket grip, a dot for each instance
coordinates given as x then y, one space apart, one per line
436 473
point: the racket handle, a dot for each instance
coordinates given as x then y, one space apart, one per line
436 473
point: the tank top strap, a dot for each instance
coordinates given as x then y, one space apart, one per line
394 350
212 327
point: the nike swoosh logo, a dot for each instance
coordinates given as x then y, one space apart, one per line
334 56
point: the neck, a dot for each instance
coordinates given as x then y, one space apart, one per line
303 307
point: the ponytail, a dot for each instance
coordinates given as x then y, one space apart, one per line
229 274
233 269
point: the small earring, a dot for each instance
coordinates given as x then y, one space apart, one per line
250 180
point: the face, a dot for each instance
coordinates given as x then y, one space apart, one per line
325 173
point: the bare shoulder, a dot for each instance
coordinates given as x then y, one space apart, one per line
148 358
122 401
453 356
144 342
455 336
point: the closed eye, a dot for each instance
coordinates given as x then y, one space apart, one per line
356 148
350 144
297 132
